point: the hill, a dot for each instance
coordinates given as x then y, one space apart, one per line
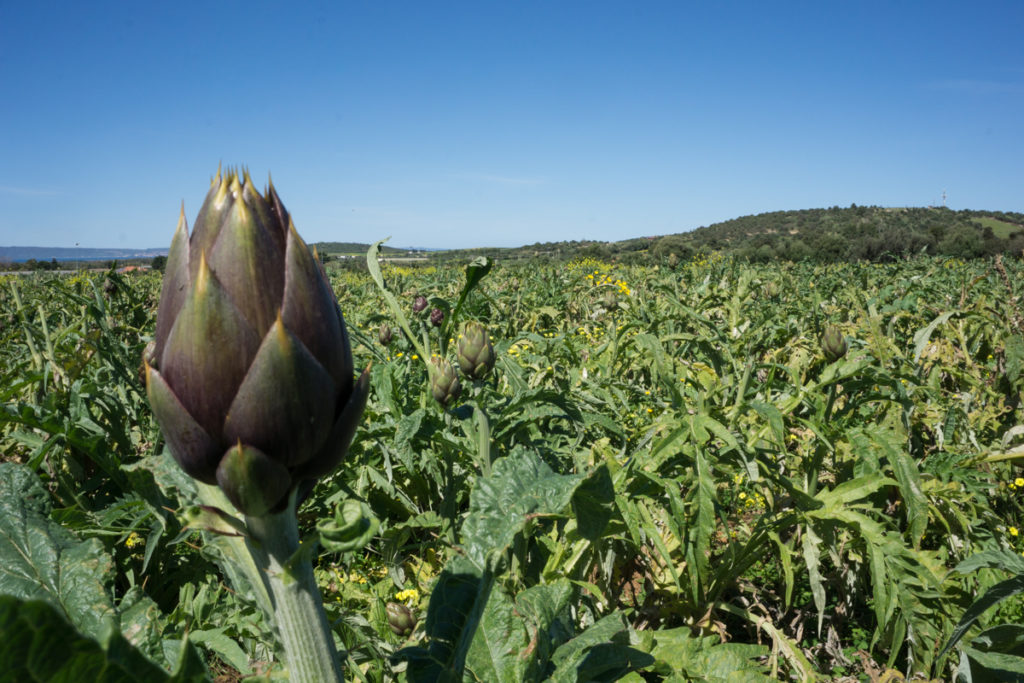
358 248
854 233
16 254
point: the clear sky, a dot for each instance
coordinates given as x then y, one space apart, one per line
456 124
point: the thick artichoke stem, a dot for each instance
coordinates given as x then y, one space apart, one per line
310 654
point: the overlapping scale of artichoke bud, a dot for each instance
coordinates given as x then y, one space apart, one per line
444 381
476 353
833 344
250 375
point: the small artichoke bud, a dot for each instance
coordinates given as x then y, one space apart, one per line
610 301
771 289
250 373
436 317
444 383
384 335
476 353
400 619
833 344
419 303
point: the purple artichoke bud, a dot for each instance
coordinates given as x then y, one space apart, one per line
444 382
419 303
833 344
250 374
436 317
476 353
400 619
384 335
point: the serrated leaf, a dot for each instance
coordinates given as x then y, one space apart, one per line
601 653
850 491
812 557
496 653
706 659
922 336
142 624
456 606
592 503
995 666
38 644
223 646
992 559
40 560
909 479
545 612
520 485
408 427
993 596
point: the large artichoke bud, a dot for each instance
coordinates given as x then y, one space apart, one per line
444 382
476 353
833 344
250 375
384 334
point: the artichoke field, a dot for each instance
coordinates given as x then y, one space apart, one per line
704 469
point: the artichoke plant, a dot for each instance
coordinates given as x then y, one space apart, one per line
476 353
444 382
250 375
250 378
833 344
400 619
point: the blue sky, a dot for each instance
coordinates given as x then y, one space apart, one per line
452 124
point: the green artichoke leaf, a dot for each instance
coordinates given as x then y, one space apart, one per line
311 312
249 266
211 217
208 352
192 446
286 404
175 288
270 212
253 481
341 434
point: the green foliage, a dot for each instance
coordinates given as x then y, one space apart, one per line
38 644
663 477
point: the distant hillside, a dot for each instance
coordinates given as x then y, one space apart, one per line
22 254
16 254
870 233
856 233
359 248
